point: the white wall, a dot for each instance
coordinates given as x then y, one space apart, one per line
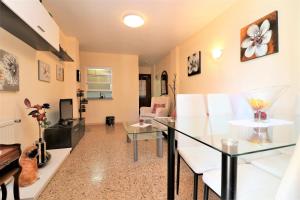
145 69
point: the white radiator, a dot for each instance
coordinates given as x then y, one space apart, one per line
8 131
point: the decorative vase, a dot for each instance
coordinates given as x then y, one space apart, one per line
43 156
261 100
41 147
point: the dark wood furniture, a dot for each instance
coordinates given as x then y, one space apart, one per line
65 134
9 166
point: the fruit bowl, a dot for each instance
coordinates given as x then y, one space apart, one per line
261 100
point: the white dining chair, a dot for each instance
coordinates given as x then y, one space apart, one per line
219 104
197 156
220 112
258 184
240 107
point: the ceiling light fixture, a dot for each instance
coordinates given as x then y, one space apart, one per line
133 21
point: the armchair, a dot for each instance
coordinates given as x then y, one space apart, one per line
160 107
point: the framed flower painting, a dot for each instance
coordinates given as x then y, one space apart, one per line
260 38
194 64
43 71
9 72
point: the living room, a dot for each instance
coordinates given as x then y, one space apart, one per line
102 164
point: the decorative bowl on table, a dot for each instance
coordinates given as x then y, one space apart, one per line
261 100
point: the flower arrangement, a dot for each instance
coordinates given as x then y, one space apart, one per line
39 113
259 105
262 99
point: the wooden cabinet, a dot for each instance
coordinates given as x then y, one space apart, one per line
34 14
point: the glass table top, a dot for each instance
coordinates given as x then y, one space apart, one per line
236 137
133 128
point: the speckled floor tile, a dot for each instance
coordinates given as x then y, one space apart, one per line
101 167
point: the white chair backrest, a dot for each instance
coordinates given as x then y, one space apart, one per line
219 104
240 107
220 112
290 184
190 106
297 110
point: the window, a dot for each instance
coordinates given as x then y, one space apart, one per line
99 83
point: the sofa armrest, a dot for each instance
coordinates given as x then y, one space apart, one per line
162 112
145 110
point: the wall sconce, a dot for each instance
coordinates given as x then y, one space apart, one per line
216 53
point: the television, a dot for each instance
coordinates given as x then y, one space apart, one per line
66 109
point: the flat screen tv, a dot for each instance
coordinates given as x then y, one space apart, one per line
66 109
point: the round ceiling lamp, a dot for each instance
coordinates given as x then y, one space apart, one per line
133 21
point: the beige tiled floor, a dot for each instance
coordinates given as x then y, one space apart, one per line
102 167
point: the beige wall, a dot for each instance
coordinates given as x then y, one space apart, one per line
145 70
124 105
11 103
228 74
170 64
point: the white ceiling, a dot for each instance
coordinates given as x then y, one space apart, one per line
98 23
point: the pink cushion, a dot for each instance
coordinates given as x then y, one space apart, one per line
156 105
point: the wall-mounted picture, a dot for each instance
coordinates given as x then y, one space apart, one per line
260 38
44 71
59 73
78 76
9 72
194 64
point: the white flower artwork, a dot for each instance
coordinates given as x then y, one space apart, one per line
9 72
43 71
194 64
260 38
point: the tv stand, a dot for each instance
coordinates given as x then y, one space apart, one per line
65 135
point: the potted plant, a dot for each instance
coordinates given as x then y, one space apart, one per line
39 113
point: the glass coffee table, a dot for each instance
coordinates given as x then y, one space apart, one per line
153 130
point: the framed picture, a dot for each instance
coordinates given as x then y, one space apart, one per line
43 71
78 76
9 72
194 64
164 83
59 73
260 38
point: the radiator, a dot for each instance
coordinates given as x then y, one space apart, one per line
8 131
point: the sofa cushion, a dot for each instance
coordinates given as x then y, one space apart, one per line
157 105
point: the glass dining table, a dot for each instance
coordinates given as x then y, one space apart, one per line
233 139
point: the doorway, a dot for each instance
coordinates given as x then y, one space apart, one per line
144 90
